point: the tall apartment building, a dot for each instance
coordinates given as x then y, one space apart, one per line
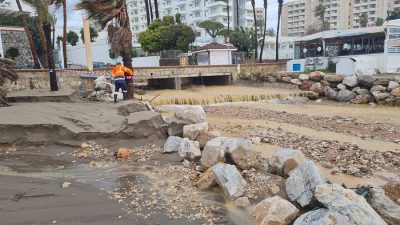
12 5
193 12
298 15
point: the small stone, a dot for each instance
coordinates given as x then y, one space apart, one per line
274 189
352 170
256 140
124 153
295 81
242 202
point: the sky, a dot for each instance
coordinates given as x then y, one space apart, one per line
75 16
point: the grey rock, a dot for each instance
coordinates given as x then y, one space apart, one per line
242 202
175 127
172 144
229 180
385 206
303 77
345 95
322 217
190 114
330 93
378 88
302 181
244 158
350 81
189 149
193 130
355 89
334 78
341 87
380 96
275 211
295 81
392 85
363 91
366 81
110 88
206 180
347 203
285 160
207 136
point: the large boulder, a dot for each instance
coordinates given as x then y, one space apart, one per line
334 78
229 180
350 81
341 87
395 92
206 180
214 151
172 144
175 127
378 88
106 86
193 130
285 160
318 88
345 95
322 217
362 99
392 190
363 91
302 181
330 93
275 211
366 81
286 79
244 158
305 85
392 85
189 149
314 76
303 77
347 203
207 136
385 206
190 114
380 96
296 81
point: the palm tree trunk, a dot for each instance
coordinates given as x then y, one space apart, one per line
32 45
265 30
151 10
237 13
280 4
50 55
227 8
65 34
43 41
156 9
127 56
253 5
146 3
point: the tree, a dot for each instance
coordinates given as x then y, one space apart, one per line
29 35
12 53
319 12
265 29
379 21
363 19
65 34
211 27
242 38
72 38
271 32
53 28
312 30
42 9
114 16
280 5
394 14
167 34
253 5
6 73
93 34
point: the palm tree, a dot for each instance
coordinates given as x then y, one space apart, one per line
253 5
319 12
237 12
156 9
265 29
227 8
53 24
6 72
151 10
146 4
32 45
42 38
42 9
65 34
115 15
280 5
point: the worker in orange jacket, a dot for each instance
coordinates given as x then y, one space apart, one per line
119 79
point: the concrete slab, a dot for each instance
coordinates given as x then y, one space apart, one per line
65 94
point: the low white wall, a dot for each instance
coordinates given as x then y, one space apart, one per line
149 61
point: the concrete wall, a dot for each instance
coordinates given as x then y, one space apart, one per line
82 80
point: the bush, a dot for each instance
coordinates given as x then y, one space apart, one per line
12 53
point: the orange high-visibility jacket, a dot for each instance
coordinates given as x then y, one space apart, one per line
120 70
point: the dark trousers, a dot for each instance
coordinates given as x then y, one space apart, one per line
121 84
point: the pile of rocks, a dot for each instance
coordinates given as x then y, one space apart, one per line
355 89
226 162
103 91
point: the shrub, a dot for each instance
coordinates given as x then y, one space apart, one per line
12 53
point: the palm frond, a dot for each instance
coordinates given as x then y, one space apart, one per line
6 73
41 7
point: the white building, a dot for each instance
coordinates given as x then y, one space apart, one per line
193 12
286 48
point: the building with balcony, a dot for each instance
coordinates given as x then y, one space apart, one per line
193 12
298 16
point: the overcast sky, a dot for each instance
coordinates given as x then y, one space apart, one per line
75 17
